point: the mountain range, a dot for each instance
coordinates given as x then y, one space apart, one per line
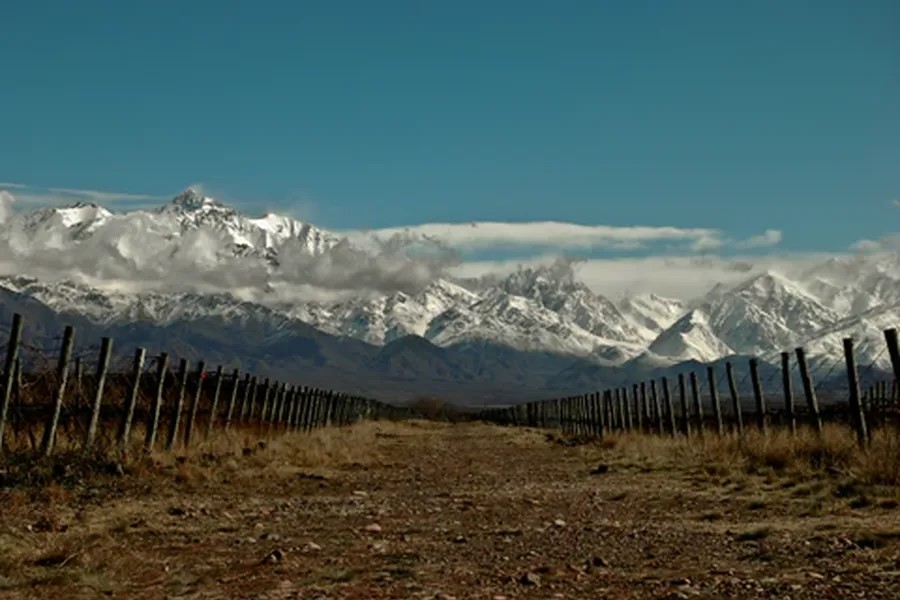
534 333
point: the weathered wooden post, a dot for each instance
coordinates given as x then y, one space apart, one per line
669 407
645 409
175 422
735 400
788 391
254 392
232 399
127 417
102 370
809 391
62 374
12 355
856 410
277 396
626 407
714 400
891 338
636 407
195 404
685 412
264 406
758 396
657 409
215 402
162 369
695 399
246 398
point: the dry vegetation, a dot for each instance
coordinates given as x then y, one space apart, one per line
462 510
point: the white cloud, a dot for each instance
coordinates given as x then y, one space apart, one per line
770 237
897 202
99 197
882 244
543 234
6 206
34 196
684 277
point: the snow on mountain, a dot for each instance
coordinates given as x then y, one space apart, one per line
538 309
556 289
234 233
382 319
690 338
650 313
855 284
867 331
520 322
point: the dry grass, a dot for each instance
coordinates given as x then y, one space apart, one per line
765 473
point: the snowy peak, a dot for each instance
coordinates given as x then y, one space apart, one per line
191 200
690 338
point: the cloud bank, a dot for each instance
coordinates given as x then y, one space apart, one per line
132 251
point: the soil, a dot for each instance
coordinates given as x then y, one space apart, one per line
448 511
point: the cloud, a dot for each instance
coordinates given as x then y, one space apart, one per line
897 202
882 244
486 235
12 186
6 206
684 276
770 237
34 196
100 196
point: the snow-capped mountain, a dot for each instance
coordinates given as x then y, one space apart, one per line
233 233
382 319
531 310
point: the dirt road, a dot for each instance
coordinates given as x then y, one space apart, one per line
443 511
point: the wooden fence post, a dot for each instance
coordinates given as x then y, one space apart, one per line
735 400
162 369
232 400
215 402
714 400
645 412
695 398
788 391
195 404
685 412
890 337
636 408
669 407
856 409
12 355
809 391
131 402
657 409
62 373
758 395
102 370
626 406
179 404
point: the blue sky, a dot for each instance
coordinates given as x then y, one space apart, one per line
768 115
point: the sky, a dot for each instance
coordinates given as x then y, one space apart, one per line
609 130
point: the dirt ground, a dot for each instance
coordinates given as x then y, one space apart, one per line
428 510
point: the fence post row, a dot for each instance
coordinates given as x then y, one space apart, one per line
273 406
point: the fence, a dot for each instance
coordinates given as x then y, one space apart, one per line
651 406
175 407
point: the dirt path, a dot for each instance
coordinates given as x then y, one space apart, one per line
441 511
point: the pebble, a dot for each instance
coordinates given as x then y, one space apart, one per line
372 528
530 579
559 523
